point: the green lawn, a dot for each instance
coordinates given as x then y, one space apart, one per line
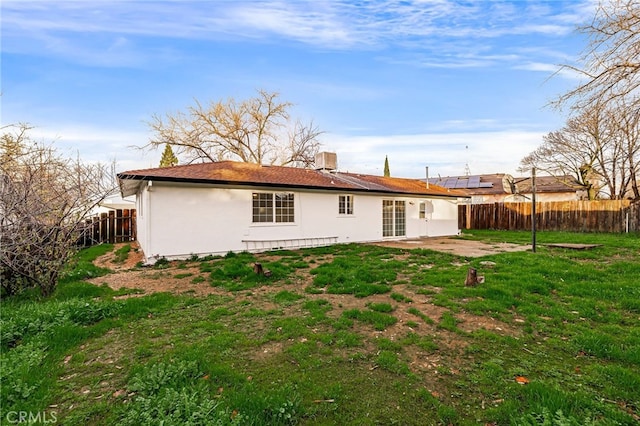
350 334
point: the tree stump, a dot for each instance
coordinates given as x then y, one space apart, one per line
257 268
472 278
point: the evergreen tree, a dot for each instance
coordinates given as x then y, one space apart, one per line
386 167
168 158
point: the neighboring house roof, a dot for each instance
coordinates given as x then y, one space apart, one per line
502 183
549 184
247 174
499 183
115 201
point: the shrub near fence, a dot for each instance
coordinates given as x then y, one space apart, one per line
116 226
577 216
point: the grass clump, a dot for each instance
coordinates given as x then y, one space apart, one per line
400 298
422 316
236 272
380 307
378 320
286 297
198 279
361 271
81 266
173 393
449 322
183 275
122 254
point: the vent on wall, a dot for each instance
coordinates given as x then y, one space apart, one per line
326 161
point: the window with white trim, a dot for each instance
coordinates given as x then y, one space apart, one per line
423 210
271 207
345 204
284 207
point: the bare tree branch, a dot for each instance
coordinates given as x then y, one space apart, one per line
611 62
599 148
257 130
43 200
603 133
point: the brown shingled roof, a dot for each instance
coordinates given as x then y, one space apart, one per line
550 184
247 174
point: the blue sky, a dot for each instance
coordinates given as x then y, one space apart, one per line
437 83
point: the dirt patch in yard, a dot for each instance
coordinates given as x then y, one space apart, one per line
457 246
186 278
109 260
437 350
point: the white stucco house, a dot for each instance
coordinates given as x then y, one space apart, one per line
214 208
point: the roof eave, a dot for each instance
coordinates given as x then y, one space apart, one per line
130 188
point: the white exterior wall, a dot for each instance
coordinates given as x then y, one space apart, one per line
442 218
142 222
176 221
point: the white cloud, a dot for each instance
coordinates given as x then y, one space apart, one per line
94 144
445 154
334 25
554 70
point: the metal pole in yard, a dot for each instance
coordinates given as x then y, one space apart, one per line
626 223
533 209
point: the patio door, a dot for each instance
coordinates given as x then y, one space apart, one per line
394 218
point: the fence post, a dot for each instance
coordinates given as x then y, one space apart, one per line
111 222
126 225
134 224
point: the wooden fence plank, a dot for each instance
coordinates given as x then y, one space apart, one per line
580 216
113 227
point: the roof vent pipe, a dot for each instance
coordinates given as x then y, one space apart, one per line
427 171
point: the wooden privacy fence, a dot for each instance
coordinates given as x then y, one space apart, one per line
579 216
116 226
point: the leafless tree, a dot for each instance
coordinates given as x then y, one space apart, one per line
599 144
575 150
626 128
44 197
610 65
599 148
257 130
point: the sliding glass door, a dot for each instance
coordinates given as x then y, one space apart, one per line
394 220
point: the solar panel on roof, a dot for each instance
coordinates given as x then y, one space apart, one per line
462 184
485 185
451 183
474 182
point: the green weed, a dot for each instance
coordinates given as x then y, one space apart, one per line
184 275
378 320
122 254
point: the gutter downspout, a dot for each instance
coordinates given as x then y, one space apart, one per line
147 237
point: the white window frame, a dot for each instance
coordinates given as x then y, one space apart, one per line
345 205
272 207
